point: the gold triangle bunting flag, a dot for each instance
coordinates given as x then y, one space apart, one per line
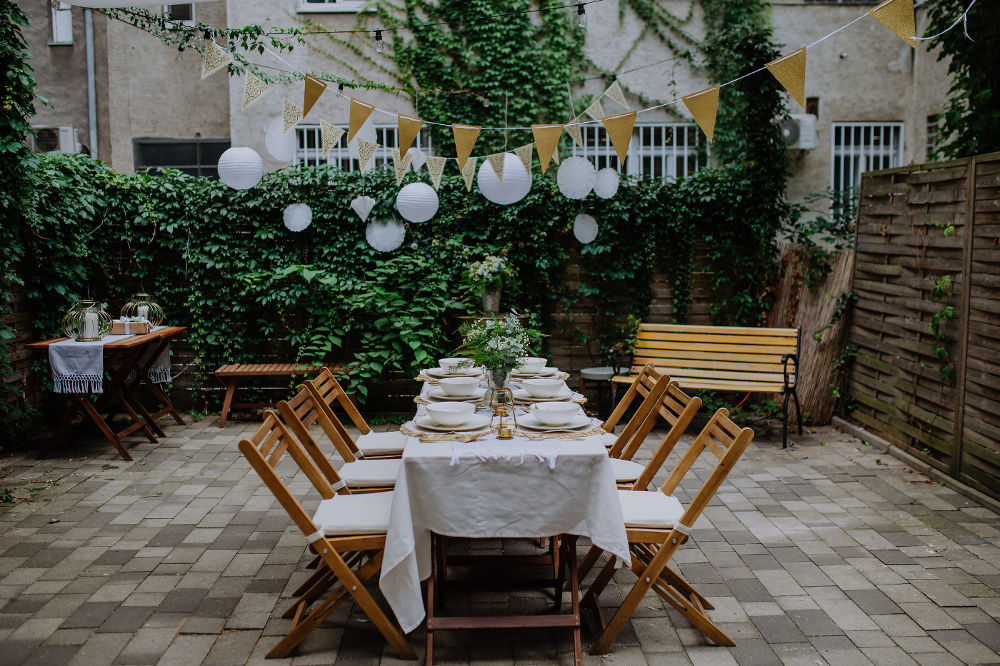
465 139
469 172
897 15
213 59
524 154
575 130
703 105
314 88
595 110
366 150
496 161
435 167
329 136
401 164
619 130
614 92
291 114
358 115
253 89
547 140
407 129
790 70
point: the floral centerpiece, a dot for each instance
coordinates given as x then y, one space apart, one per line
487 276
497 343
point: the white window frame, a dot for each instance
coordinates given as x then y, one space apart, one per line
334 6
62 24
863 147
194 16
309 147
643 144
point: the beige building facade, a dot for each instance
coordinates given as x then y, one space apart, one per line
871 98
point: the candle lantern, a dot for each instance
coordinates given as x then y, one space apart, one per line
86 321
502 405
143 307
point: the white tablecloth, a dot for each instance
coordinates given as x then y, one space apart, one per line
473 490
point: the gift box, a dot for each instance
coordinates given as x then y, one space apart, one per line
119 327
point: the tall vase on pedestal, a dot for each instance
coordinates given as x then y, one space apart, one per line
491 298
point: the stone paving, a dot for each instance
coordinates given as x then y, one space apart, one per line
829 552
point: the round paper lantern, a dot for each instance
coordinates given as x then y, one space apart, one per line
576 177
516 181
241 168
417 202
585 228
385 235
281 146
606 183
298 216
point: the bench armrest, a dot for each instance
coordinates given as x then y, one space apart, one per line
795 374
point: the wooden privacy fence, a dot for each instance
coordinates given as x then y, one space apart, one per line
926 324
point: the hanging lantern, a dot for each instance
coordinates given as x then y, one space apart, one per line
279 144
240 168
576 177
585 228
417 202
143 307
86 321
606 183
516 181
298 216
385 236
363 206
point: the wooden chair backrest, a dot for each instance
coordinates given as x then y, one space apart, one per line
302 411
639 389
330 390
723 439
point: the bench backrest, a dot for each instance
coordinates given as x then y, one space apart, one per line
698 355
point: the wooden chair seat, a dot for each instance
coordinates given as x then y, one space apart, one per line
354 514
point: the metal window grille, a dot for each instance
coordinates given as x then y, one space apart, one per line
309 147
666 150
62 23
198 157
860 147
933 127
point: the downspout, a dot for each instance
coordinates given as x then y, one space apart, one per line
88 24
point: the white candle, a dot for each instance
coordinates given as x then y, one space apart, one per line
90 327
144 312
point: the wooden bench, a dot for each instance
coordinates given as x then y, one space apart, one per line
723 358
235 373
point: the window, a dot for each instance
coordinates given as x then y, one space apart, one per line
62 24
309 147
183 12
860 147
666 151
198 157
933 127
331 6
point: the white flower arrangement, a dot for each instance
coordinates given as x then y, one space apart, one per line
490 270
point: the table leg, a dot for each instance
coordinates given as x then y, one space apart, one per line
429 655
574 587
143 374
102 424
138 423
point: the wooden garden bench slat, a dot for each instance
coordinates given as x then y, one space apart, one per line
234 373
723 358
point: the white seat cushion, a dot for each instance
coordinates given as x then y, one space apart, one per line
626 470
354 514
649 508
381 443
370 472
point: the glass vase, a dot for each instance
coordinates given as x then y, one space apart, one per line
491 298
86 321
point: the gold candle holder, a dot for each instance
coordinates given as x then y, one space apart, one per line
502 405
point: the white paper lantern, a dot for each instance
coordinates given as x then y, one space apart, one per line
281 146
385 235
576 177
241 168
606 183
417 202
298 216
516 181
585 228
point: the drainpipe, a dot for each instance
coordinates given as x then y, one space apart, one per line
88 23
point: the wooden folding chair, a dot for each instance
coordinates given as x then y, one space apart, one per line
657 524
347 532
326 391
300 412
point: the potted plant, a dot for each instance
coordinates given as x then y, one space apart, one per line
621 351
486 276
497 343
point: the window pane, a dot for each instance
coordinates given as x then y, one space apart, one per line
184 12
167 154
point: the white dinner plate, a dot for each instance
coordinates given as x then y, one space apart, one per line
562 396
439 373
475 422
529 421
435 393
544 372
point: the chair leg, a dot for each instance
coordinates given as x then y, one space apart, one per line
227 403
589 560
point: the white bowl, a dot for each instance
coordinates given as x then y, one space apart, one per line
459 386
450 365
555 413
531 364
543 388
451 414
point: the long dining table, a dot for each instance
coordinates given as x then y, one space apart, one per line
537 484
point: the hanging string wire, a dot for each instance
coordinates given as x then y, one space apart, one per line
964 18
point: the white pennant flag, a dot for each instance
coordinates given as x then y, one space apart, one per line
329 136
435 167
401 164
615 93
366 151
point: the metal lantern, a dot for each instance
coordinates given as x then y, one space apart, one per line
502 406
86 321
143 307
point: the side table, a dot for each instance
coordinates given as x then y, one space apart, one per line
601 375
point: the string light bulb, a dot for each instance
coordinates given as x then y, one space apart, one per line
379 44
581 15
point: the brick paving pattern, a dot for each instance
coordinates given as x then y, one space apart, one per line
830 552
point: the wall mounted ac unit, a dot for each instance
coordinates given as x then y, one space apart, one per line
800 132
64 138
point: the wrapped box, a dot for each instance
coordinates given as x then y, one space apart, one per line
129 327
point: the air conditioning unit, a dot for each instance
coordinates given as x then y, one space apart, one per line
64 138
800 132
